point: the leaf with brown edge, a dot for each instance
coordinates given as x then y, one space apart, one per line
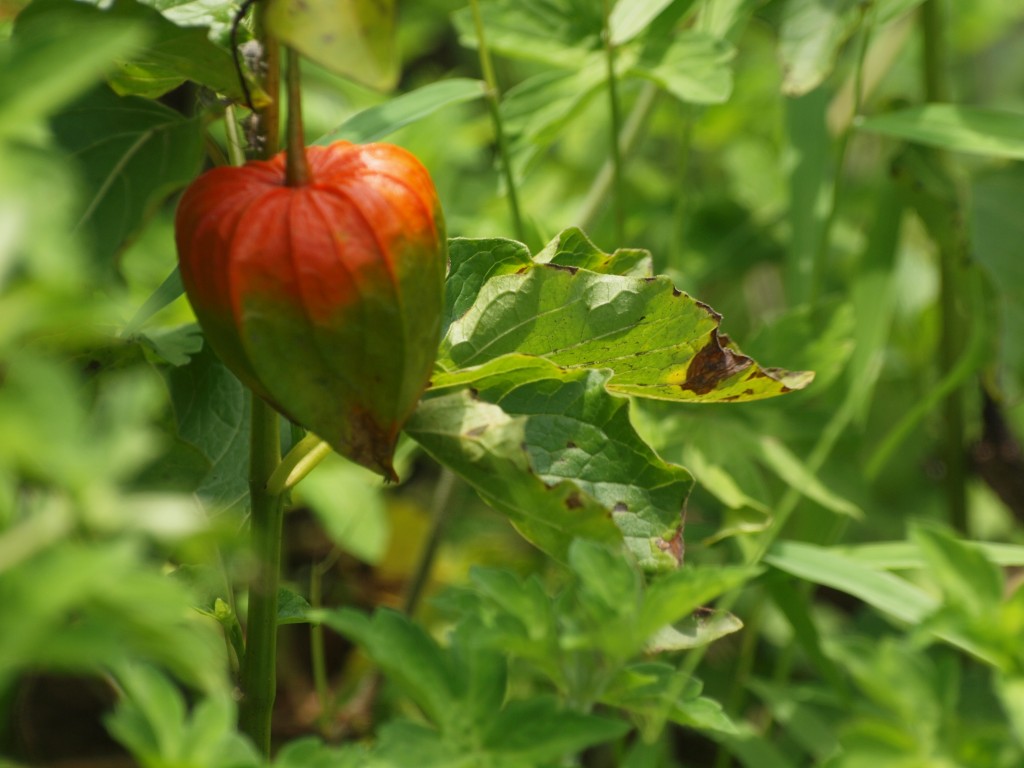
658 342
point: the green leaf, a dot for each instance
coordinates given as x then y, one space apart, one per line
56 54
347 500
310 752
538 730
631 17
537 111
799 711
218 15
405 652
654 691
175 345
83 606
378 121
811 34
167 292
821 565
658 342
890 9
808 159
212 408
133 154
487 446
969 581
995 231
173 54
572 248
700 628
905 555
353 38
562 33
796 474
152 722
692 66
525 600
472 262
955 127
552 450
292 608
1010 690
678 594
605 575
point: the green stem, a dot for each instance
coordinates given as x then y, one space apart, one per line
438 513
937 89
270 116
604 182
259 667
935 51
493 99
296 165
316 642
235 150
618 201
303 457
818 270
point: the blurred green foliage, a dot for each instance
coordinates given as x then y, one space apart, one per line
872 633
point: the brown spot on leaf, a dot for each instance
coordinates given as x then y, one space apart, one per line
712 365
620 506
475 431
570 444
571 270
673 546
572 501
676 292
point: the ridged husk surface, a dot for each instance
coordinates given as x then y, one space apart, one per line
325 299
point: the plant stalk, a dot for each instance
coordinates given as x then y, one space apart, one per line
259 666
937 89
259 677
821 259
604 182
493 99
618 200
296 164
438 514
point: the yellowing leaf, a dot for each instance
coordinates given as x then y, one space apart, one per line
353 38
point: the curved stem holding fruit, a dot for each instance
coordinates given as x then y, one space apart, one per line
259 667
296 165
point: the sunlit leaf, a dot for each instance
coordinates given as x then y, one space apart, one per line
353 38
563 33
956 127
692 66
812 33
555 452
658 341
630 17
380 120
